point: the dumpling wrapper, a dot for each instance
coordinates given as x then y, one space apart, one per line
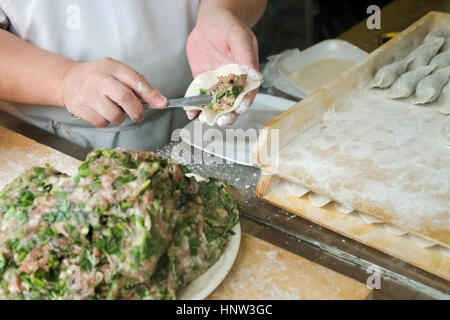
296 190
394 230
369 219
318 200
207 79
343 208
422 242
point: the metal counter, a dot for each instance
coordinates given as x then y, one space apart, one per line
400 280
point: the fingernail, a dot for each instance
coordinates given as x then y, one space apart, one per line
243 106
252 73
161 101
139 119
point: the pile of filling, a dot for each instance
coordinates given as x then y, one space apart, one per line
225 91
130 225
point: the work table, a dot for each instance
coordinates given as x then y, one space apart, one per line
291 233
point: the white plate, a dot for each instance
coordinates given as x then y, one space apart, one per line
264 108
323 50
204 285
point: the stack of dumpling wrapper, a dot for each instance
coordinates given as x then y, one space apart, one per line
423 75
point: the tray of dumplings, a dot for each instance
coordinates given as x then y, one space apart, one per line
423 75
368 155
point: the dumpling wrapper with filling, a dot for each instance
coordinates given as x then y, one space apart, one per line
207 79
439 33
445 46
430 87
441 60
442 105
406 85
386 75
423 54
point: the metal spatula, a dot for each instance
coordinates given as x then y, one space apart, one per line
183 102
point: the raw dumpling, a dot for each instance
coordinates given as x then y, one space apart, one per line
441 60
405 85
423 54
209 79
387 74
446 45
443 103
429 88
436 34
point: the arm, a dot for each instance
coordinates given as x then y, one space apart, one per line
33 74
222 36
98 91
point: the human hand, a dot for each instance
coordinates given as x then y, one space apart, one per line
102 91
220 38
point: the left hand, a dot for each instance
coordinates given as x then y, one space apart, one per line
220 38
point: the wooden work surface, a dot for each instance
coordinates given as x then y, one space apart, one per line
261 271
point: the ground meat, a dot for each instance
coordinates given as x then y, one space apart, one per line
36 259
225 91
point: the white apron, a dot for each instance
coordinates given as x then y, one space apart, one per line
148 35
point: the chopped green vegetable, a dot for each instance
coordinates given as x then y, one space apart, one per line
123 180
2 262
236 90
145 185
83 170
95 185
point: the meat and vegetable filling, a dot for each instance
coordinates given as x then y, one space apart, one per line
225 91
130 225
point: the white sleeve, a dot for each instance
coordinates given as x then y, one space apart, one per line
4 21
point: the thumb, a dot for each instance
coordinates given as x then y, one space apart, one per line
244 48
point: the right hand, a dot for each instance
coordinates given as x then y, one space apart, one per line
102 91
